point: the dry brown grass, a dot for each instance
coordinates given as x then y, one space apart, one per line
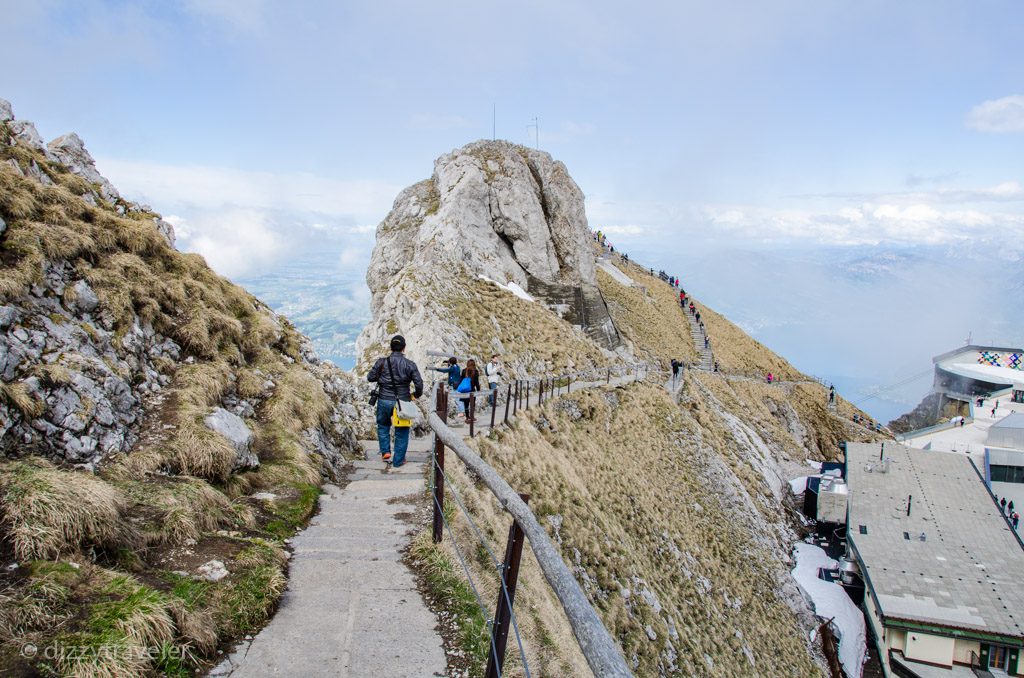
47 511
650 317
628 482
532 336
16 395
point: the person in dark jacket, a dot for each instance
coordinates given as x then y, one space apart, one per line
454 375
453 372
392 376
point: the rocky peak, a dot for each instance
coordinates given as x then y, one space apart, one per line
69 150
497 210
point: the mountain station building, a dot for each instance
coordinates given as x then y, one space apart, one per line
942 568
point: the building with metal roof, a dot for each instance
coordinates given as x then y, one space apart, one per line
941 565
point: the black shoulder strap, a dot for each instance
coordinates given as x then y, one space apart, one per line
394 384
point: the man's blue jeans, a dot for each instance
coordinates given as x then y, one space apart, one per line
384 410
492 399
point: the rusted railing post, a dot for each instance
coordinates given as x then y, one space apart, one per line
527 406
568 386
609 376
503 615
515 406
442 411
508 402
494 405
540 392
471 413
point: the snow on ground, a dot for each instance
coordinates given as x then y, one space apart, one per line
831 602
511 287
799 485
816 465
614 272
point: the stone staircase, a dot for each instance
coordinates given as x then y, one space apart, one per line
706 361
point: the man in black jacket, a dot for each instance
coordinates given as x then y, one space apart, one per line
392 375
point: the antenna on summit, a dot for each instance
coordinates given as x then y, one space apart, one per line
536 131
494 122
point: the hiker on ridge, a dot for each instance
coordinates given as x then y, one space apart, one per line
392 376
470 384
492 371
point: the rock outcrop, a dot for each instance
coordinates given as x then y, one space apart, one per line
80 373
493 210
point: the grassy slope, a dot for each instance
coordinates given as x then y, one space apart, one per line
646 493
172 503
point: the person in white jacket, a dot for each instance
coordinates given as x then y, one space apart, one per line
492 371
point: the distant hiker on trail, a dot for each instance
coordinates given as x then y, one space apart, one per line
392 376
692 307
492 370
1015 520
675 370
1009 507
706 341
716 366
769 377
470 384
682 297
1002 504
453 372
831 395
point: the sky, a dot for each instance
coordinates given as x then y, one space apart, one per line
760 132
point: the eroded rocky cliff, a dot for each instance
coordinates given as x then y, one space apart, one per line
493 213
162 430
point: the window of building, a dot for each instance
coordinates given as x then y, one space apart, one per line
1007 474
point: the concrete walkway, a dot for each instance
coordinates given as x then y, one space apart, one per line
352 607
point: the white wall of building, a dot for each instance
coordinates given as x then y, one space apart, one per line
928 648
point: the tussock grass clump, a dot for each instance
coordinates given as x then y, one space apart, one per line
16 395
46 511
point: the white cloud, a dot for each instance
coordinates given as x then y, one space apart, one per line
871 223
234 242
998 116
244 222
624 229
213 187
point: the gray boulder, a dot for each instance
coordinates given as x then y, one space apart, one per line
6 112
3 226
25 132
85 299
69 150
232 427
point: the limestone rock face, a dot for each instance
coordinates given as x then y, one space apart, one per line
6 112
70 151
502 210
493 209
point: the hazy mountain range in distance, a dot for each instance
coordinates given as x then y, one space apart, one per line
863 318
